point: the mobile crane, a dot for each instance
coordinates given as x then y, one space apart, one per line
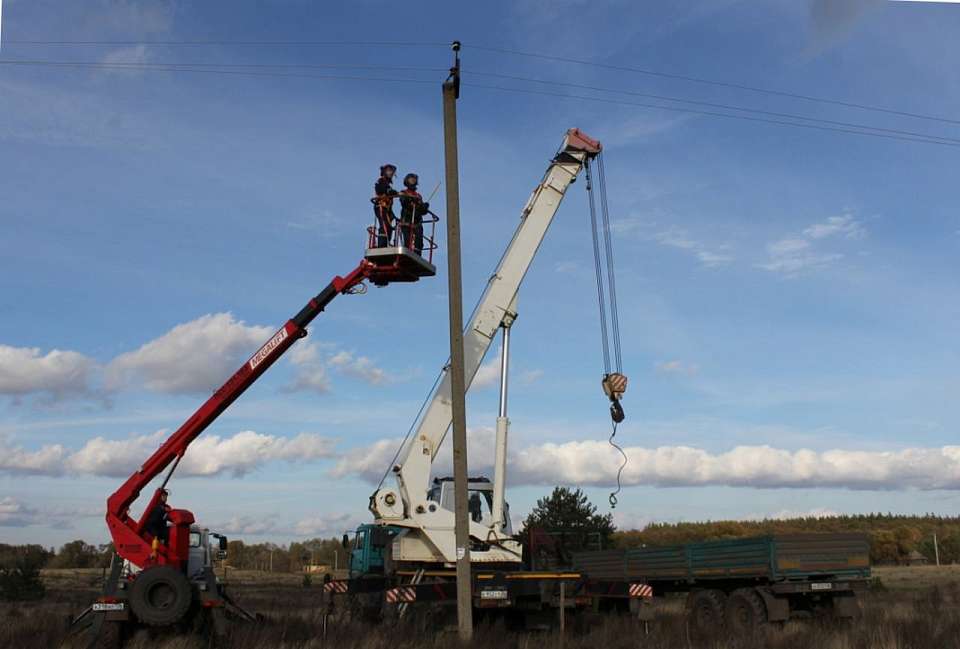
172 583
412 535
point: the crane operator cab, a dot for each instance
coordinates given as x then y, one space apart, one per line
401 249
479 501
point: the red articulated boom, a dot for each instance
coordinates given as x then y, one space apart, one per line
176 582
129 538
381 266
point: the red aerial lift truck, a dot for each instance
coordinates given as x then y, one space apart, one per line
169 584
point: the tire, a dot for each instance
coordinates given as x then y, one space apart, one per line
160 596
707 614
745 611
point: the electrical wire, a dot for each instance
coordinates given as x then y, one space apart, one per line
281 66
712 82
923 140
241 43
230 72
709 104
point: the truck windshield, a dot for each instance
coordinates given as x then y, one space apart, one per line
194 539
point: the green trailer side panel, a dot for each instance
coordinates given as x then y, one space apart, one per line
763 558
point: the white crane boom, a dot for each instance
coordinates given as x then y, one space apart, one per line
430 535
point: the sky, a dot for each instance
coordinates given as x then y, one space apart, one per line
788 296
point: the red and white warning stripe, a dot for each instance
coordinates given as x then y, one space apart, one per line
335 587
401 594
641 590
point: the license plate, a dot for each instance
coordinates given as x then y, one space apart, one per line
493 594
821 586
107 606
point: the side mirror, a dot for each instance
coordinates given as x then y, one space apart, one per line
223 544
345 541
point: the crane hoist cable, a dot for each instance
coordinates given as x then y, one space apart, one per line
614 381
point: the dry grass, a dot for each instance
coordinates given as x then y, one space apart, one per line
919 610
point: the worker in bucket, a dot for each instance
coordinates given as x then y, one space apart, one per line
412 210
383 204
156 524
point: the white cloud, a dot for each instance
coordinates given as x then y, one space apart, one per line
678 367
311 374
791 514
119 59
15 460
595 463
844 225
488 374
795 255
207 456
196 356
14 513
56 374
331 525
709 256
359 367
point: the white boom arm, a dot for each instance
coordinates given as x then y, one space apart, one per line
409 507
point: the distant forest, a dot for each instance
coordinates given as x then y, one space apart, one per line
892 537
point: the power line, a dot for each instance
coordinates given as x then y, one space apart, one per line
713 105
152 64
146 67
924 140
712 82
242 43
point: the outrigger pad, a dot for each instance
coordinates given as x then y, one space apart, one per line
397 264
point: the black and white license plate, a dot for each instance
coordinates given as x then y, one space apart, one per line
99 607
493 594
821 585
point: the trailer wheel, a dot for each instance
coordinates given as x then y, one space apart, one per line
706 615
745 611
160 596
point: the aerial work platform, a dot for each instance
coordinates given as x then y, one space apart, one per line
399 260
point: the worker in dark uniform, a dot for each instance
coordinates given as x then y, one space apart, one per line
156 525
412 211
383 204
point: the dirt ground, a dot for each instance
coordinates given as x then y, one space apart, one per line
909 608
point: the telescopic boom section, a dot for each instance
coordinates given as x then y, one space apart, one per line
129 538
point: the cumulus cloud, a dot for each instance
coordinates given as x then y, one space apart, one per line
14 513
197 356
678 367
56 374
311 374
329 525
595 463
708 256
359 367
211 455
795 255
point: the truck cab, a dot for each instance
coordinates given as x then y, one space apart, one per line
368 551
205 548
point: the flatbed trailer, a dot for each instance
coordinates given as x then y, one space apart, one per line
743 583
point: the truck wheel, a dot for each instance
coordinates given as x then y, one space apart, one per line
707 613
745 611
160 596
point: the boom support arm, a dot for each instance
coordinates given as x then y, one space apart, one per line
128 535
495 307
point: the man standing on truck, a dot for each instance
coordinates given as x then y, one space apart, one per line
156 525
412 211
383 204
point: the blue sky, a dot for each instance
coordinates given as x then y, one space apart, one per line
789 297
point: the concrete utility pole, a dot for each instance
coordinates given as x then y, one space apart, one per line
936 549
451 92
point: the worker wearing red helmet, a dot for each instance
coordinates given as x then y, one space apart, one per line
412 210
383 204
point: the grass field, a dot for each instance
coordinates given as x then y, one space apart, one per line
916 608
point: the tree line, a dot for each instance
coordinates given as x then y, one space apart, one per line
893 537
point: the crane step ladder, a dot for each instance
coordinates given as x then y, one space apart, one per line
400 260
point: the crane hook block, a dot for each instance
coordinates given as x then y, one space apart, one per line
614 386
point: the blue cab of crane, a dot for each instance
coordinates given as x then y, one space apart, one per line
368 549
